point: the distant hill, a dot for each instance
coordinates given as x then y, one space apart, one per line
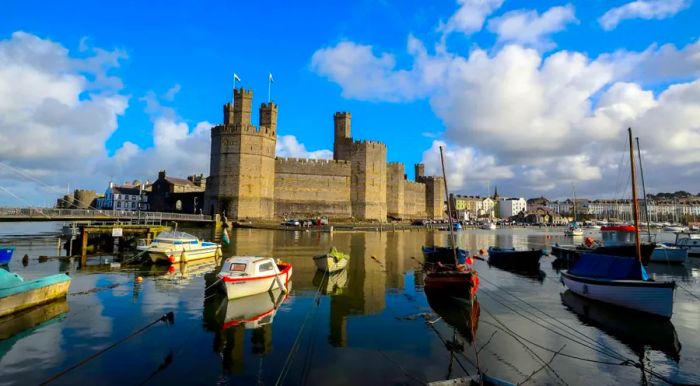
671 196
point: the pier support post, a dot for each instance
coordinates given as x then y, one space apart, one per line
83 249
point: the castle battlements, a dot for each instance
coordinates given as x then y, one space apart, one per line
249 130
368 144
312 166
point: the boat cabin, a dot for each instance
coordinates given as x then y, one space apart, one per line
250 266
175 238
618 235
684 239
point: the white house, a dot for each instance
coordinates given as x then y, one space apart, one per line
511 206
127 197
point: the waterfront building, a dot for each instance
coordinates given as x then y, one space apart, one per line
509 207
172 194
247 181
124 197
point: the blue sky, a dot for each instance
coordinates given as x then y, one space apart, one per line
196 47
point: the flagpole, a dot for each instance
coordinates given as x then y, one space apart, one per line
269 87
233 92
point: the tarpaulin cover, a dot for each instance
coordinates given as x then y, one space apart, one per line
608 267
444 255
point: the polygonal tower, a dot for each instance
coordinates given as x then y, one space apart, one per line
241 182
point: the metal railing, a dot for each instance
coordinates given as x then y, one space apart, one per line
51 213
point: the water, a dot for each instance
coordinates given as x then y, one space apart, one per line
368 326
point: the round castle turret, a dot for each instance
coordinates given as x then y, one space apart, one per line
241 183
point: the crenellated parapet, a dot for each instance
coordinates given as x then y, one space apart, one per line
321 167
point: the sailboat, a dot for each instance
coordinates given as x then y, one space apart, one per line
453 278
574 229
620 280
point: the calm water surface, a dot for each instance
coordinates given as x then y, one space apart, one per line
366 325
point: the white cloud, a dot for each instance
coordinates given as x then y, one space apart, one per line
288 146
642 9
533 121
528 27
470 16
56 111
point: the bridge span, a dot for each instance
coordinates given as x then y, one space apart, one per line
52 214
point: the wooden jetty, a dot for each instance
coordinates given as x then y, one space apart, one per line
144 231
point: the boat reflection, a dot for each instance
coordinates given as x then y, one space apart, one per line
636 330
14 324
179 275
251 311
536 274
459 313
331 284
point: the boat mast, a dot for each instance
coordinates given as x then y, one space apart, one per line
449 209
573 187
644 190
635 207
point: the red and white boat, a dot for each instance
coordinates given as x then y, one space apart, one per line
249 275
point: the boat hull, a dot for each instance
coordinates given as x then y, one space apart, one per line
670 255
453 283
241 287
328 263
163 256
32 293
571 253
6 255
646 296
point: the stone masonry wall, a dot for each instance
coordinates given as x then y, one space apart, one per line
414 199
395 195
311 188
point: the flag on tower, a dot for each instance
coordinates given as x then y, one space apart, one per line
235 77
270 78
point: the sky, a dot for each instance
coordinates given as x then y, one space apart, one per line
532 97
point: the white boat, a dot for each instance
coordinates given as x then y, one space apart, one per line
664 253
642 295
249 275
332 261
690 242
488 226
174 247
675 228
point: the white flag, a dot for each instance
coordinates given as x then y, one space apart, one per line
235 77
270 78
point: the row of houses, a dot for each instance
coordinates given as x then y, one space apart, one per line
658 210
165 194
475 207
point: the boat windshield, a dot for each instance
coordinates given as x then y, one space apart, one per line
169 237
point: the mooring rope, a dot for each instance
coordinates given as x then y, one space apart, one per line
295 346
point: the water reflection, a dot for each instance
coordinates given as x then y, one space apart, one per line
636 330
460 314
331 284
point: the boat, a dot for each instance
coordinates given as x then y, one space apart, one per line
667 253
6 254
251 311
17 294
249 275
620 280
488 226
453 276
332 261
573 230
675 228
457 226
618 240
511 258
690 242
174 247
635 329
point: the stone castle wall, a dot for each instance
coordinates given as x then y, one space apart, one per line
368 193
395 191
311 188
414 200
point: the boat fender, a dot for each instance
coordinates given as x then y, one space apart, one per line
171 258
469 260
171 269
481 251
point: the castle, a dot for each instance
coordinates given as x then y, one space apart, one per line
247 181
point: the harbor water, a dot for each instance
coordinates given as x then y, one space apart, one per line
370 324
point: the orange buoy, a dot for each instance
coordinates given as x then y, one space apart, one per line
171 269
139 279
171 258
481 251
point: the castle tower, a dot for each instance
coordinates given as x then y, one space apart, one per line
268 116
368 180
434 196
342 138
395 190
420 171
242 165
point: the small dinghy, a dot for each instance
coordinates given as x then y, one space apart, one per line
332 261
16 294
6 254
249 275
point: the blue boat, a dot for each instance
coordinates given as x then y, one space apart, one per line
6 254
16 294
444 255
